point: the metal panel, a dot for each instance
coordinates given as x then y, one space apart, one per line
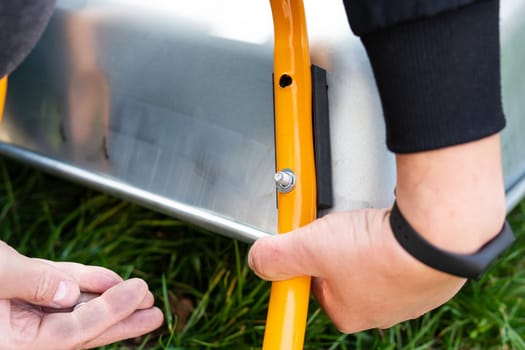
513 76
169 104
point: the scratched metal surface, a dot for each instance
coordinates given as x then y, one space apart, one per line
169 104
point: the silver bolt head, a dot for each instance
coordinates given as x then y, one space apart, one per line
284 180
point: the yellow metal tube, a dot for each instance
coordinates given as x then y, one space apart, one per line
288 308
3 92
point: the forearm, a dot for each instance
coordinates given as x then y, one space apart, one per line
437 69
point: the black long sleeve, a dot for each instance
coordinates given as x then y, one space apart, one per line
21 24
437 68
366 16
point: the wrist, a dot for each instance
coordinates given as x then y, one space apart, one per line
453 197
461 265
399 257
456 227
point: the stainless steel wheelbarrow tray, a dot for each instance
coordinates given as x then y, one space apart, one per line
171 107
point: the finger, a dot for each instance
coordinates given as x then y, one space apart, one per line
34 281
332 305
86 297
139 323
317 287
345 313
83 299
146 303
325 297
289 255
94 279
95 317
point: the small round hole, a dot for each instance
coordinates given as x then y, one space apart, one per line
285 80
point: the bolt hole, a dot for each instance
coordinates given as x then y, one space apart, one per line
285 80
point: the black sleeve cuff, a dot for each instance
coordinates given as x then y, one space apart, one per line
439 78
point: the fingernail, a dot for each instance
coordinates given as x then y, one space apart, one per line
79 305
64 289
250 260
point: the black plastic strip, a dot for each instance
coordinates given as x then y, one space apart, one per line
322 149
274 136
462 265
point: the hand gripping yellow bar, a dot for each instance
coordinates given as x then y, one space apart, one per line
3 91
288 308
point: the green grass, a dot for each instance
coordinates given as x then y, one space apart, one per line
202 282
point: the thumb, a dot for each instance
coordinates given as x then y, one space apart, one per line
35 281
289 255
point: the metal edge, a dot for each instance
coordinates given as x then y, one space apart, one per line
203 218
226 227
515 192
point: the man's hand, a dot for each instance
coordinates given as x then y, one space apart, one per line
363 277
454 197
36 294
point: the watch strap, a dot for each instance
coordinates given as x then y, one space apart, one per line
462 265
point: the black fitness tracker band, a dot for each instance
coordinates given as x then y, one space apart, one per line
462 265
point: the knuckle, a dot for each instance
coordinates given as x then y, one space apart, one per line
348 326
44 288
343 328
342 318
415 315
351 324
392 321
325 223
387 325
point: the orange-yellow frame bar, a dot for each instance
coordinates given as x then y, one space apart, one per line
288 308
3 92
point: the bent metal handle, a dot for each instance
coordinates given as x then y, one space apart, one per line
3 92
287 312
